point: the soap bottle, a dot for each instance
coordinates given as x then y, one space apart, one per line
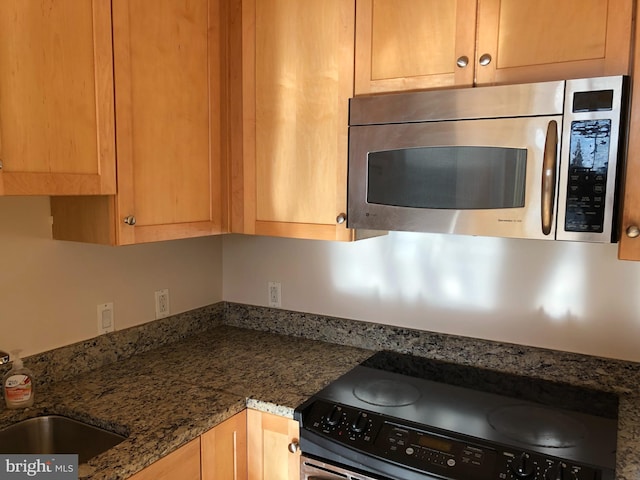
18 385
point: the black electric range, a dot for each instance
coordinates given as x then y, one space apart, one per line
403 417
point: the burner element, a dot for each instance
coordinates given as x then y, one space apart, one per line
537 426
386 393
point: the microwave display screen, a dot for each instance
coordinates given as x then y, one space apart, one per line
588 167
461 177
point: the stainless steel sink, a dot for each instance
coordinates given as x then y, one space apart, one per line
57 434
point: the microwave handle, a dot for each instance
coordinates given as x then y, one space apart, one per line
549 176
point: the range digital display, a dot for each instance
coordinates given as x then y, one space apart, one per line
435 443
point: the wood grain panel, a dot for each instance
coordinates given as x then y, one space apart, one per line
183 464
629 248
168 77
413 44
224 450
297 110
297 71
268 438
532 40
162 88
56 97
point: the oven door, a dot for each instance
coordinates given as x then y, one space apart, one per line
311 469
472 177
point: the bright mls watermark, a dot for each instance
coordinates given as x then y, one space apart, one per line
50 467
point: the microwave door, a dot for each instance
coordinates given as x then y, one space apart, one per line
471 177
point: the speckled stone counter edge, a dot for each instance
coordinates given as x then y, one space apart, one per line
68 361
604 374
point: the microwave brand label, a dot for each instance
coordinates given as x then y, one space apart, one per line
510 220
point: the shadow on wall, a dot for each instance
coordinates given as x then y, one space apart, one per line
561 295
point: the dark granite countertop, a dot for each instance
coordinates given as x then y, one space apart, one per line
163 398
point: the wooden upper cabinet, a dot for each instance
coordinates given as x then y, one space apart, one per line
418 44
289 147
413 44
538 40
56 98
167 69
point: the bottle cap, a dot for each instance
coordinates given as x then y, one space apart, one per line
17 361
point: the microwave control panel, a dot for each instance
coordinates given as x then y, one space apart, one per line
587 179
593 141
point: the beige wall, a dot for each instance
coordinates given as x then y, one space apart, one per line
561 295
49 290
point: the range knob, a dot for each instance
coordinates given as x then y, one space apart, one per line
360 423
334 416
523 467
559 471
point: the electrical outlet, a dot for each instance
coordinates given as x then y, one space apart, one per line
105 318
162 303
275 294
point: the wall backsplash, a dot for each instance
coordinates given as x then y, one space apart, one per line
50 290
574 297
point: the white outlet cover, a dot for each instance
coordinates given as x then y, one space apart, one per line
163 307
275 294
106 322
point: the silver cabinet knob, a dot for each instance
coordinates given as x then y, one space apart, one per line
463 61
341 218
294 446
485 60
633 231
130 220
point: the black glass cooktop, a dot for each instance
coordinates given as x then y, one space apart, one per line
549 418
556 394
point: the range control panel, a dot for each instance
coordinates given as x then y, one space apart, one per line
435 452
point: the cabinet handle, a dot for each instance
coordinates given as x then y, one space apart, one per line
0 164
130 220
463 61
341 218
485 60
633 231
294 446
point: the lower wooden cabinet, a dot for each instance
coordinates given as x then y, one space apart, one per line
269 437
183 464
224 450
251 445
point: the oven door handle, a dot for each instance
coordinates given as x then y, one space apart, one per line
549 176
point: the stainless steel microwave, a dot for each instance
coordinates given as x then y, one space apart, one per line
537 160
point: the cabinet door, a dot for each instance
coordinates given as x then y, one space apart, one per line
629 246
269 437
224 450
414 44
167 80
183 464
167 56
290 149
56 98
534 40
